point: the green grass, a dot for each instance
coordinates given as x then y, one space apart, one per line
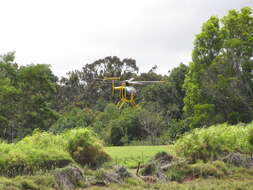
44 181
200 184
130 156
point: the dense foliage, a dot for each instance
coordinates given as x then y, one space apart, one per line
216 141
26 98
85 148
215 88
204 111
219 82
43 151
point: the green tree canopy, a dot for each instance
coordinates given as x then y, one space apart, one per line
219 82
26 97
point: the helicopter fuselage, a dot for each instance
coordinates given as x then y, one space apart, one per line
127 93
130 91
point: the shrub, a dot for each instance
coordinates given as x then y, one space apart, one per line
38 151
45 151
214 142
85 148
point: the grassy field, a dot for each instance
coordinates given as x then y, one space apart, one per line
130 156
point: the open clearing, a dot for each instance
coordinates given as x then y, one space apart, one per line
130 156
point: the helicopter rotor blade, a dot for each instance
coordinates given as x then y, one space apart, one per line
107 80
129 80
144 82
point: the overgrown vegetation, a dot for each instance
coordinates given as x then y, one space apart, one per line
202 184
184 172
85 148
45 151
205 108
216 141
43 181
218 86
215 88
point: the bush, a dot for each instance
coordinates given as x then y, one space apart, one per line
37 152
214 142
45 151
85 148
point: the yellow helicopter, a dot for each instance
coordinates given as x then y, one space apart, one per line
127 93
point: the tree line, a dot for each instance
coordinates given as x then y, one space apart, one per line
216 87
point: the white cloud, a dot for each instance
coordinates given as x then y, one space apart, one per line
68 34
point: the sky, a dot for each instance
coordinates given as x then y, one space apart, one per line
67 34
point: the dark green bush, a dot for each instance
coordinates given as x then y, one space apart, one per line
85 148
